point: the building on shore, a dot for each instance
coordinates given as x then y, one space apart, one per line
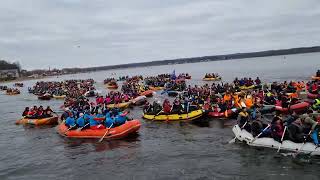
9 73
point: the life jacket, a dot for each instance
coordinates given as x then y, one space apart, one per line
227 97
316 104
314 87
70 121
207 106
119 120
276 130
249 102
80 121
293 95
244 115
108 100
94 122
236 101
166 107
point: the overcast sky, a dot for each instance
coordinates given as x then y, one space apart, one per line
83 33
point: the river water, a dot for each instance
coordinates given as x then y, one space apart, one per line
161 150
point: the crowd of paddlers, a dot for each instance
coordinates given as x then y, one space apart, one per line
293 106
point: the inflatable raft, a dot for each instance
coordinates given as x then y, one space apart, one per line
212 79
12 93
59 97
118 132
120 105
38 122
299 107
174 117
112 86
148 93
244 136
44 97
139 100
313 96
156 88
247 87
224 114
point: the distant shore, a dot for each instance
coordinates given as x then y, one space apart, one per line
280 52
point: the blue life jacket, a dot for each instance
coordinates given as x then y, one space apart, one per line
87 117
80 121
93 122
108 122
119 120
70 121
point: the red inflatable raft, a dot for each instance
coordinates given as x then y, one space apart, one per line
114 133
216 114
313 96
299 107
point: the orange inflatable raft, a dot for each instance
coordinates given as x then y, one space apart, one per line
38 122
148 93
119 132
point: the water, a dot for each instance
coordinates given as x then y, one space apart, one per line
162 150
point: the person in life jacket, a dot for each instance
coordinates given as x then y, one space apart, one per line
26 111
96 121
80 121
109 120
176 107
70 122
243 118
166 106
318 73
147 108
277 128
227 97
307 120
120 119
258 81
316 105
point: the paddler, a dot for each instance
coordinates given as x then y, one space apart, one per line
166 106
310 121
95 122
70 122
25 112
243 119
277 128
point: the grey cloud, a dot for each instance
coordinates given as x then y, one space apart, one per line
40 33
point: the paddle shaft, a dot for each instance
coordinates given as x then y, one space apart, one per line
285 129
69 129
260 133
302 144
106 133
79 129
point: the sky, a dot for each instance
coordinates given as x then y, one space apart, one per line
88 33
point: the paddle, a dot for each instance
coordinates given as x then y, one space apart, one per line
79 129
234 139
105 133
259 134
305 140
188 110
69 129
285 129
154 117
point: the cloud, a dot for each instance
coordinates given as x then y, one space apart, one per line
80 33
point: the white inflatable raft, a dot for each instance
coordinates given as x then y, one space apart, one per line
244 136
